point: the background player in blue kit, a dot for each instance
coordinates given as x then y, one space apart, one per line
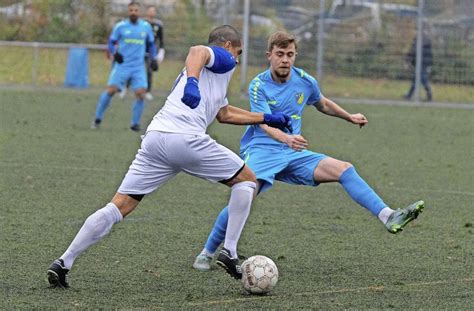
275 155
129 41
158 33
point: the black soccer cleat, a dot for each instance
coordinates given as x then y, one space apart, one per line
57 274
231 265
135 127
95 124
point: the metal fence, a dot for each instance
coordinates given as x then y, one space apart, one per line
355 40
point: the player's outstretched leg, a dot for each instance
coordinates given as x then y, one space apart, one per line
57 274
239 208
216 237
363 194
231 265
94 229
401 217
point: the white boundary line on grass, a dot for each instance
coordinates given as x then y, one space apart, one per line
95 169
340 100
64 167
402 103
374 288
419 190
428 190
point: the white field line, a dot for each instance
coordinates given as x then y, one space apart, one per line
164 92
419 190
401 103
374 288
96 169
62 167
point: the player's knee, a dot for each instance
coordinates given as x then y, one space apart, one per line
344 166
111 91
126 203
246 175
253 178
250 176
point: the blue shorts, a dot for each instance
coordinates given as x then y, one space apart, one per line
120 75
283 164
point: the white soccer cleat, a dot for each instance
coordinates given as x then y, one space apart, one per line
122 93
95 124
148 96
202 263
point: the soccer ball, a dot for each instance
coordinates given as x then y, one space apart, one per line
259 275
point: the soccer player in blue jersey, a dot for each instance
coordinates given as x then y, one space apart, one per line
275 155
176 141
128 43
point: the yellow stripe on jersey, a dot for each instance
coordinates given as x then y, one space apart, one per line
247 157
255 88
134 41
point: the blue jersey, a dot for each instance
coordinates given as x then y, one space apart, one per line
132 40
291 98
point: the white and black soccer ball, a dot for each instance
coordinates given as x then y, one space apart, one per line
259 275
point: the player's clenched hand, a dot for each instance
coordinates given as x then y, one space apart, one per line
278 120
358 118
191 96
118 57
296 142
154 65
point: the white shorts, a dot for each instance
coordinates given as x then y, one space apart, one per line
163 155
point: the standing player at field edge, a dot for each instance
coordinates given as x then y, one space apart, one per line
157 28
158 33
275 155
129 41
176 141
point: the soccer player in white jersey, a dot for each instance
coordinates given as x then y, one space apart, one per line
276 155
176 141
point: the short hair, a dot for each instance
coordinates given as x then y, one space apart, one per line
134 3
281 39
224 33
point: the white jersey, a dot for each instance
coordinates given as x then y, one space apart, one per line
176 117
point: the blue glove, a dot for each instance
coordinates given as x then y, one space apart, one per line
191 96
278 120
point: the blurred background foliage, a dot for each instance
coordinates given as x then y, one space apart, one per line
359 41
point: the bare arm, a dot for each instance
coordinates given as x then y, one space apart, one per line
327 106
197 58
233 115
295 142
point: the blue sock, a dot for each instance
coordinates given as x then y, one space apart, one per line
360 191
217 235
102 104
137 111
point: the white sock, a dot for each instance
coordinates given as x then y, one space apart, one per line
385 213
239 208
94 228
